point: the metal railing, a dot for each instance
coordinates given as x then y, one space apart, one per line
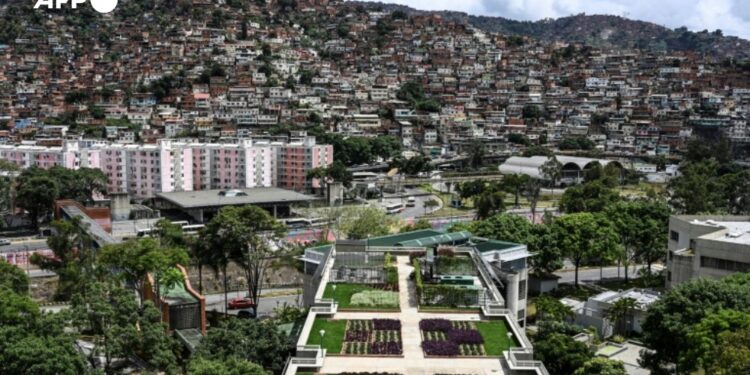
517 363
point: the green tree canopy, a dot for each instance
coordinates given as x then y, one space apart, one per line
246 339
588 197
584 237
642 226
13 278
562 354
230 366
602 366
669 320
704 337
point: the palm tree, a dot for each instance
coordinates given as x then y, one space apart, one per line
621 313
514 184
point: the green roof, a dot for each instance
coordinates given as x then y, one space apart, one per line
494 245
396 239
445 238
178 293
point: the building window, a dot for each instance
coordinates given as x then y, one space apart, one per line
674 236
724 264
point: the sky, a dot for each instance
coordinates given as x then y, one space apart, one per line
731 16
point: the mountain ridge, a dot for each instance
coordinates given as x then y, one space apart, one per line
598 31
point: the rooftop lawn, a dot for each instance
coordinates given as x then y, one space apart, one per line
495 334
344 293
333 340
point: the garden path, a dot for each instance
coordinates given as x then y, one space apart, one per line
413 361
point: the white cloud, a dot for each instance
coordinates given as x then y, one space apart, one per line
731 16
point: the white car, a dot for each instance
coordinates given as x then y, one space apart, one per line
411 202
4 242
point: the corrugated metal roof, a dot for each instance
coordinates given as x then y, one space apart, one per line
445 238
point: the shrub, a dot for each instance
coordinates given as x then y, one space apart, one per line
391 276
442 325
386 348
617 339
465 336
386 324
441 348
356 335
374 298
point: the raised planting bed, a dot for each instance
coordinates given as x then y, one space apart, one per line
446 338
377 337
360 297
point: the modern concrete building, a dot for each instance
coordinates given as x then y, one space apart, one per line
707 246
573 168
491 273
593 312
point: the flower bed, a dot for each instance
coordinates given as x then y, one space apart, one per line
373 337
445 338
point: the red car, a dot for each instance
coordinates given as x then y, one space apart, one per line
241 303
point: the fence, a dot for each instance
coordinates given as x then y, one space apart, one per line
23 258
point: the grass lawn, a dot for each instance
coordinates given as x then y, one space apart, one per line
344 293
333 340
495 334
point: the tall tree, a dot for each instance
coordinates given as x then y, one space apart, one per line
244 235
588 197
551 170
704 337
119 328
734 356
37 195
251 340
514 184
72 256
642 226
583 237
363 222
669 320
13 278
136 259
562 354
489 203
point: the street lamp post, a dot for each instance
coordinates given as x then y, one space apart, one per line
510 338
334 292
322 333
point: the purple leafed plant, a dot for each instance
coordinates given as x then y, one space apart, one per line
386 324
386 348
442 325
441 348
465 336
352 336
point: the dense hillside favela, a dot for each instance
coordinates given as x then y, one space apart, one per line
230 187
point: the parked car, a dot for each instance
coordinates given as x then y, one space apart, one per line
411 202
247 313
4 242
241 303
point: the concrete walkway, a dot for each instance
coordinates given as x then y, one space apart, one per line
413 361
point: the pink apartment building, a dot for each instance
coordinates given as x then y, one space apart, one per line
144 170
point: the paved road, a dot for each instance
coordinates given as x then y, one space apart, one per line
25 245
593 274
266 305
216 302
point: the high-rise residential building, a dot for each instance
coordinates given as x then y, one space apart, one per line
172 165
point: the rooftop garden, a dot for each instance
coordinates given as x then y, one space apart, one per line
445 338
365 295
447 283
377 337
